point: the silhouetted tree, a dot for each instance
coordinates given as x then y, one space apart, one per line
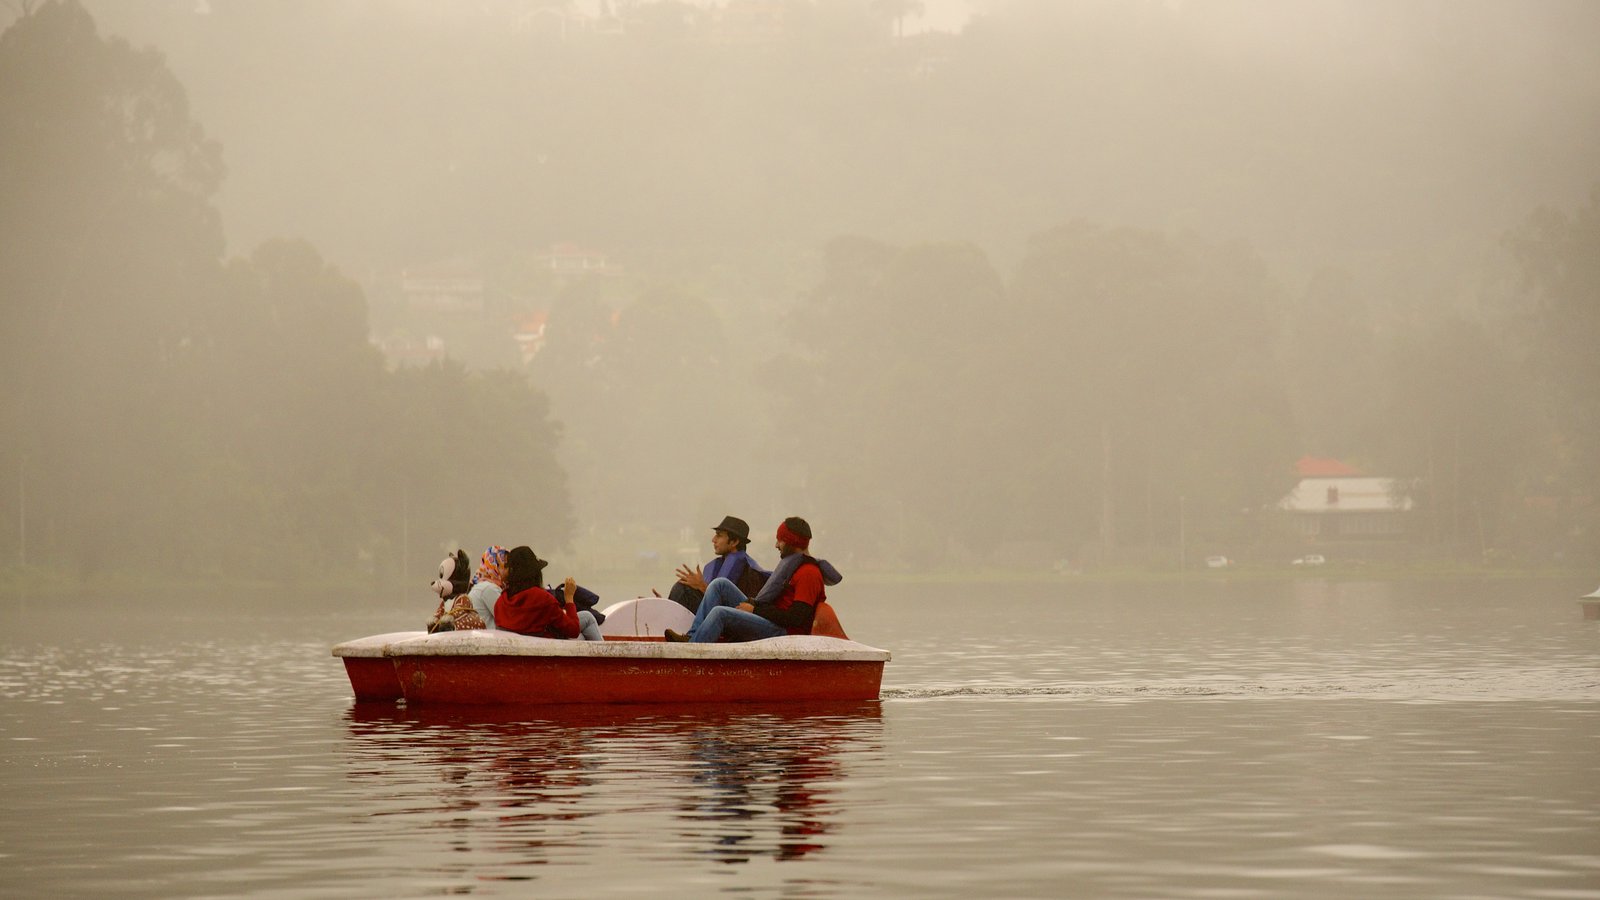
1559 254
1148 368
170 413
1454 421
104 192
1333 365
888 404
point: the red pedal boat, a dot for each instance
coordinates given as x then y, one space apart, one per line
633 665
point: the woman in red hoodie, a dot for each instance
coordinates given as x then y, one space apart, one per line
527 608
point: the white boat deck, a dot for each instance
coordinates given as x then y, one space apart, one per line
638 617
507 643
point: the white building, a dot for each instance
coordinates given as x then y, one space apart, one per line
1333 502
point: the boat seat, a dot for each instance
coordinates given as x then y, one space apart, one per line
825 623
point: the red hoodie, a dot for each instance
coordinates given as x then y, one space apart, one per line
536 612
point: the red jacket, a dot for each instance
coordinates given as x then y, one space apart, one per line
536 612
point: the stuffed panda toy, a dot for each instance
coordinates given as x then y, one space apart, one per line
455 576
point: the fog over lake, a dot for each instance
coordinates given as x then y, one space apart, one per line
310 288
1199 398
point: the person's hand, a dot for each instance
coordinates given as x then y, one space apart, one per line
571 593
692 577
747 607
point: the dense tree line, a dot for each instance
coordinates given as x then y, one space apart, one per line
1558 251
1119 383
170 410
1125 391
989 371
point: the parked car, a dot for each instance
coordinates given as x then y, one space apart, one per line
1218 562
1311 559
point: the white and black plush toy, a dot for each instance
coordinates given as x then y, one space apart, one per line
455 577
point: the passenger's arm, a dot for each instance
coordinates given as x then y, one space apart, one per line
569 627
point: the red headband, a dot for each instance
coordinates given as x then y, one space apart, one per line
789 537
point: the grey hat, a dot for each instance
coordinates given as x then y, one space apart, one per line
735 527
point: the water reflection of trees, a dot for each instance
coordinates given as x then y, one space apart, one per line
546 785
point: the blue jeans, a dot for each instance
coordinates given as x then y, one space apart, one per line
717 616
589 628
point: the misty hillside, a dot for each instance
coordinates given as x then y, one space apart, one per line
343 283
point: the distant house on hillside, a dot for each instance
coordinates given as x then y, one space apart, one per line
450 285
1335 502
401 351
567 258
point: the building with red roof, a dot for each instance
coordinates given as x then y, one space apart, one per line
1335 501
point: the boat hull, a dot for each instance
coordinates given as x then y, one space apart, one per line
499 667
373 680
371 673
540 680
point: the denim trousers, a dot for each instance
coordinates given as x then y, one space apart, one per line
718 616
588 628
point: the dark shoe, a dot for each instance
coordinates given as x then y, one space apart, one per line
675 638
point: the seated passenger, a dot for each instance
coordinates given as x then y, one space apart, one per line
728 541
785 605
527 608
488 583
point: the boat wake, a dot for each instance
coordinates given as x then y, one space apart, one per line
1547 685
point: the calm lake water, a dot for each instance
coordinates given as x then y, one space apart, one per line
1209 740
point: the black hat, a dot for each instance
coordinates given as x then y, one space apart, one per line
735 527
525 557
524 569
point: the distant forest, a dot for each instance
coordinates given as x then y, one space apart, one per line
1074 279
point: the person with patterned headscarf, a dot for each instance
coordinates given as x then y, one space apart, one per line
488 583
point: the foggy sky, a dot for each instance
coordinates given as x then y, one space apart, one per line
1394 156
1395 144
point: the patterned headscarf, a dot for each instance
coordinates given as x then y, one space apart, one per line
492 568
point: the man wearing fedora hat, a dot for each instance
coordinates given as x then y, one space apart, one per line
728 540
786 604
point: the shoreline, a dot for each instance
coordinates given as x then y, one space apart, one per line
300 592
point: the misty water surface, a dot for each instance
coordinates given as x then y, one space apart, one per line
1247 740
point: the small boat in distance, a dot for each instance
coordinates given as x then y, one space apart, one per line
501 667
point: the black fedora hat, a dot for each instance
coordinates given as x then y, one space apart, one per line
735 527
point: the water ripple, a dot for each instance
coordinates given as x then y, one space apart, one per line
1495 685
1393 745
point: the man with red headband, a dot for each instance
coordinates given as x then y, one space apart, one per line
785 605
